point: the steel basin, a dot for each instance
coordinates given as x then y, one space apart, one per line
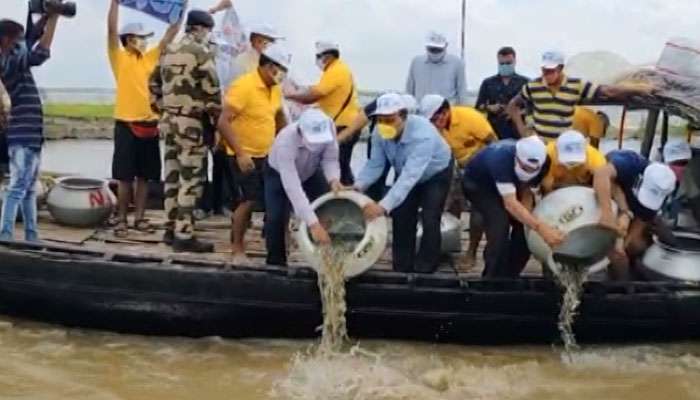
680 262
451 231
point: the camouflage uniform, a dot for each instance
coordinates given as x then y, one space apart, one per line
185 89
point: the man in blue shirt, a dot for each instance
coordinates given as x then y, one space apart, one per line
640 188
498 182
18 54
423 164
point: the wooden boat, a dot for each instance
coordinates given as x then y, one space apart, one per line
167 294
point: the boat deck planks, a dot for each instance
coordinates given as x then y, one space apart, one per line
217 230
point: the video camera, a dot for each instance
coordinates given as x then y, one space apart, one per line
65 9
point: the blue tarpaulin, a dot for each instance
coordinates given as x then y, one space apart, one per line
168 11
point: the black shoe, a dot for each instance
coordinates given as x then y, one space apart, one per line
169 237
192 245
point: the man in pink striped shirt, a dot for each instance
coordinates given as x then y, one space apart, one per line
302 164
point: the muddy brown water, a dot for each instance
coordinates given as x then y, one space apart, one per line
48 362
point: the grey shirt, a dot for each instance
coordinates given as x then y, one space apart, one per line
447 78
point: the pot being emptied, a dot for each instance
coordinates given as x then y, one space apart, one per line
81 202
341 215
567 209
680 261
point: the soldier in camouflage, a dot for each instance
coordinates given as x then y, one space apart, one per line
185 90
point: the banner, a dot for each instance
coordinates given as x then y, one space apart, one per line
231 41
168 11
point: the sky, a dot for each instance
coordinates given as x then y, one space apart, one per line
378 38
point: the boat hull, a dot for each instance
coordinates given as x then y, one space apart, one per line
152 296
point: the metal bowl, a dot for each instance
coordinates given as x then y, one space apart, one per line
680 261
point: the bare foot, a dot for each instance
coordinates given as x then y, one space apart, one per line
467 263
240 259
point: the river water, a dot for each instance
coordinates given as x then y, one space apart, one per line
45 362
48 362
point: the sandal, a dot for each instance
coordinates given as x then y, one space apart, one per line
121 230
143 226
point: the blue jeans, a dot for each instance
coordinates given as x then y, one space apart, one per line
278 208
24 171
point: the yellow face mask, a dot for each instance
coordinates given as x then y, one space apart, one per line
387 131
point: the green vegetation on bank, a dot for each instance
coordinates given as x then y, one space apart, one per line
93 111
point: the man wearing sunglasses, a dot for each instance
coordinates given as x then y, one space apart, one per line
554 96
498 181
438 72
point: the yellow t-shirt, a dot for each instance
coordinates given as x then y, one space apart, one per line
334 87
588 122
559 176
131 73
468 133
255 105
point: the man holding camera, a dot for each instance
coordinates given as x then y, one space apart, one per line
19 53
136 147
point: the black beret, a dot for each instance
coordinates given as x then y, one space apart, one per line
200 18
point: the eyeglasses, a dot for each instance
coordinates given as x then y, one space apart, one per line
506 63
435 50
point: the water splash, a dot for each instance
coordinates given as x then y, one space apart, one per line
331 285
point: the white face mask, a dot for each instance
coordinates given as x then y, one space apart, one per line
279 77
524 176
321 63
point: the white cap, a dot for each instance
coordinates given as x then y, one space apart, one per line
435 39
389 103
316 127
657 183
410 102
677 150
265 30
552 59
531 151
277 53
136 29
323 46
571 147
429 105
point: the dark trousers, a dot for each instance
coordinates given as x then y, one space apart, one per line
506 252
345 157
430 197
222 182
278 209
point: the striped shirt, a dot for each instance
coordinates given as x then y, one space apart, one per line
553 109
26 125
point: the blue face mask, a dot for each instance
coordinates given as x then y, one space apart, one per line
506 69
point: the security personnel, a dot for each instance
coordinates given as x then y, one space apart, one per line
185 88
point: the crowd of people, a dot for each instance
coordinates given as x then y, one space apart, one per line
523 137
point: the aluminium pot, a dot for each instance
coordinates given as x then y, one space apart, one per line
679 262
81 202
341 215
451 231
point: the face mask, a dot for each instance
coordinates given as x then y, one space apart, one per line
679 171
436 57
386 131
570 166
320 63
140 44
279 77
506 69
525 176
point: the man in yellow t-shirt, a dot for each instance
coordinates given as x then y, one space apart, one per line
466 131
572 162
593 124
252 116
336 94
136 148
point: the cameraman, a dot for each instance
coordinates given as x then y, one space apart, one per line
18 54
